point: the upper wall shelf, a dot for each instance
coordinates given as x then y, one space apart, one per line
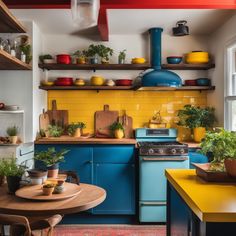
8 62
8 23
55 66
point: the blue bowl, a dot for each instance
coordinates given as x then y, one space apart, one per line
174 60
203 82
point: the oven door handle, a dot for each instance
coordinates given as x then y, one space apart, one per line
153 203
164 158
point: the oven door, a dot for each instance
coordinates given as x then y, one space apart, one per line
152 185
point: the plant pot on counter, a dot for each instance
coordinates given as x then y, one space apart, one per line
230 167
77 133
13 183
53 170
198 134
119 133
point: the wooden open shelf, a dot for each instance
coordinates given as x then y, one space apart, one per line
8 23
188 66
183 88
55 66
8 62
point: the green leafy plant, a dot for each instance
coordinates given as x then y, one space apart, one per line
12 131
55 130
46 56
50 156
26 49
193 117
122 55
93 50
73 126
221 144
100 50
116 126
10 168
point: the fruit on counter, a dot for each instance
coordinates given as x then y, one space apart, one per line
2 105
47 83
110 82
97 80
79 82
197 57
138 60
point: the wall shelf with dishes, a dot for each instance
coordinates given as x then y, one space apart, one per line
9 24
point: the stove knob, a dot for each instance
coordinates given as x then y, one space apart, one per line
161 151
150 151
173 151
182 151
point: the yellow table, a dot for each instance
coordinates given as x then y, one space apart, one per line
199 207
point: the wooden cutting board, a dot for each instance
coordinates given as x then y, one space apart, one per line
43 121
58 117
103 120
127 122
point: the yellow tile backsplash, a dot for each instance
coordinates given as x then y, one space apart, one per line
140 105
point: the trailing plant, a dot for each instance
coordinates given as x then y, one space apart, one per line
10 168
26 49
50 156
193 117
116 126
55 130
74 126
221 145
46 56
122 55
13 130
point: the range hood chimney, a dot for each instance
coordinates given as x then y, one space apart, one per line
158 76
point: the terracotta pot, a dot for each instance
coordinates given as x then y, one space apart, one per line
13 139
198 134
53 171
48 191
77 133
230 167
119 133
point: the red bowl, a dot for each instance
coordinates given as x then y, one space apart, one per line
190 82
124 82
63 59
64 81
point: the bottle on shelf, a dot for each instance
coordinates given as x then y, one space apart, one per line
14 49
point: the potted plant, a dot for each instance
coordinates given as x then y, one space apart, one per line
92 52
55 130
118 130
222 146
80 56
76 129
48 189
13 173
122 56
12 132
104 52
26 49
198 119
47 58
51 159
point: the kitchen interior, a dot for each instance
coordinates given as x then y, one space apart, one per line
173 56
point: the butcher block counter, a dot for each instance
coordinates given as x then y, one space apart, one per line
73 140
206 208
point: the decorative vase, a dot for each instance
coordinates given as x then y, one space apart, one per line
13 139
77 133
104 60
119 133
121 61
13 183
81 60
53 170
198 134
230 167
94 60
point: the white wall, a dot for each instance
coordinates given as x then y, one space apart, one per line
217 44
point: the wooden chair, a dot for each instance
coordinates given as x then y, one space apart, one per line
72 177
19 225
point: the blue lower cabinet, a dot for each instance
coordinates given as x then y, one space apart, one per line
118 181
196 157
149 212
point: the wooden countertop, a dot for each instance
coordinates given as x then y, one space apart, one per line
73 140
211 202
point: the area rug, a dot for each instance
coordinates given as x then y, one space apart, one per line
110 230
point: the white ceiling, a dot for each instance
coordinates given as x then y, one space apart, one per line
59 21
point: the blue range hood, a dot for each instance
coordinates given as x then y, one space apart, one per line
158 76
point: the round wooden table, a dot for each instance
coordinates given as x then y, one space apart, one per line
89 197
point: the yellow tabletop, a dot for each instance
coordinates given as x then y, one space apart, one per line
211 202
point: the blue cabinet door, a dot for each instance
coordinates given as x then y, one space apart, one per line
118 181
78 159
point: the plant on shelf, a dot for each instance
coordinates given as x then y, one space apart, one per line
221 146
76 129
51 159
26 49
104 52
93 52
55 130
12 132
198 119
47 58
80 56
118 130
122 56
13 173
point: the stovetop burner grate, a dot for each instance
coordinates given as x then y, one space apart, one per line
160 144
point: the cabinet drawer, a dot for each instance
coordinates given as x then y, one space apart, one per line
114 154
152 213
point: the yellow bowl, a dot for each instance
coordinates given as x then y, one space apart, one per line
138 60
97 80
47 83
197 57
